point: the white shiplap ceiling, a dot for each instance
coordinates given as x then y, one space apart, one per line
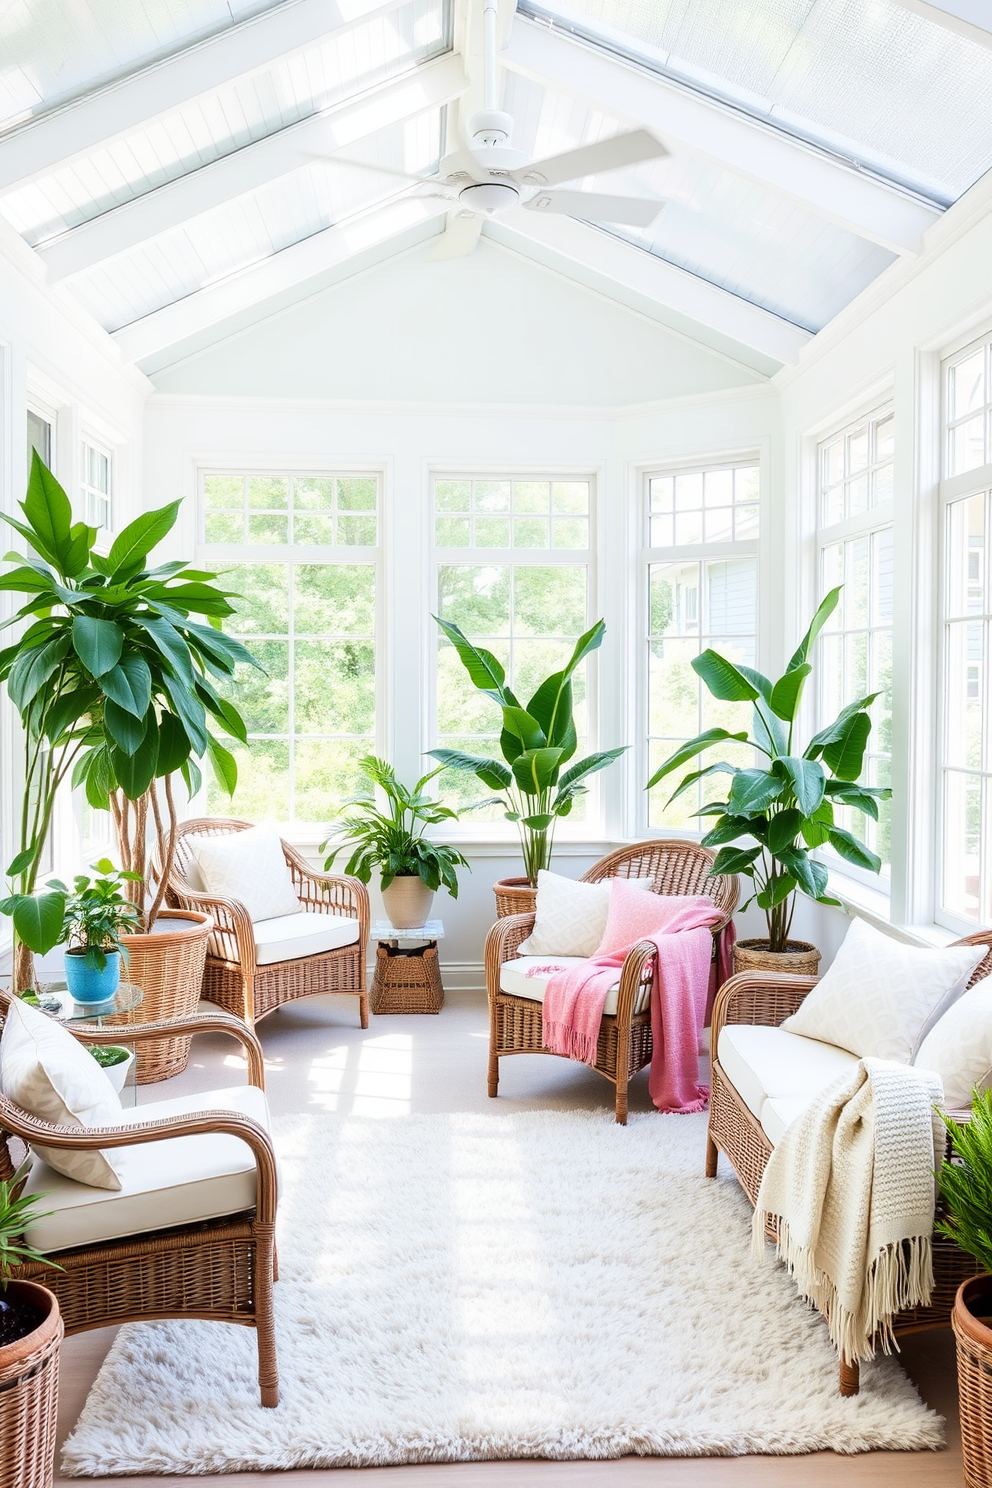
158 154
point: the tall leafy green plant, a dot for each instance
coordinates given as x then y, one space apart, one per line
782 810
113 682
966 1185
536 742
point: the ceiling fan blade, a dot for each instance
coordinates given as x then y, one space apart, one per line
459 238
380 170
635 211
591 160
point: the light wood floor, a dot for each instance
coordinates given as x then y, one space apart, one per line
318 1058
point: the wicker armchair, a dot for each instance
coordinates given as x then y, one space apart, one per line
232 976
768 998
220 1269
625 1044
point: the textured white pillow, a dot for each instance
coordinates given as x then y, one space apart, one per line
571 916
959 1046
48 1074
880 997
249 867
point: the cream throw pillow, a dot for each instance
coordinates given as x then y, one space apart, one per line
249 867
571 916
880 997
46 1072
959 1046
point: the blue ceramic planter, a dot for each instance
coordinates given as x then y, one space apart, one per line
86 984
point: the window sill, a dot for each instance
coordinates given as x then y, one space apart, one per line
874 906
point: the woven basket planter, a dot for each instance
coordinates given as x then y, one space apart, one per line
514 896
407 981
973 1336
800 958
29 1395
168 967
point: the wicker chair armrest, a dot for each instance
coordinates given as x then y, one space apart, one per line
218 1022
196 1124
638 968
329 893
502 942
233 937
765 997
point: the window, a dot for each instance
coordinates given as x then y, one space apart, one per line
513 566
301 550
854 501
95 488
39 438
702 581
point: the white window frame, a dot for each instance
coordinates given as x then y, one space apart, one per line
861 524
646 557
89 494
220 555
469 830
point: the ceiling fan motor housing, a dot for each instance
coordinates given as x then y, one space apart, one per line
489 196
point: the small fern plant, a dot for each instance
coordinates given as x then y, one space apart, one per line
966 1183
17 1210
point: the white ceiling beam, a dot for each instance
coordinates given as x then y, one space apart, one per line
680 117
676 289
969 18
273 275
79 127
432 84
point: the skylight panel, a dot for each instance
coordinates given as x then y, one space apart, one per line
868 79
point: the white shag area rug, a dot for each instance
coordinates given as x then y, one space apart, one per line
510 1285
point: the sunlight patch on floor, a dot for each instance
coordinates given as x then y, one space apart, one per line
374 1079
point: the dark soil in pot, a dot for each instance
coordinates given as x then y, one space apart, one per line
19 1316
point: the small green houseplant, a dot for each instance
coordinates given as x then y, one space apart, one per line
114 684
536 742
98 911
777 813
411 866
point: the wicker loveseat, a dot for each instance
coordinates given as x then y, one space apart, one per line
758 1088
192 1231
252 969
625 1043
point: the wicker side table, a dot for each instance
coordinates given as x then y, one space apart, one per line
407 977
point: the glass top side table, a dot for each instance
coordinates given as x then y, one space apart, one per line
57 1001
407 976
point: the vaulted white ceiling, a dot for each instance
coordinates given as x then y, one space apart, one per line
159 155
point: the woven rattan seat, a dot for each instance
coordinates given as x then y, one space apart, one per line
232 976
767 999
625 1044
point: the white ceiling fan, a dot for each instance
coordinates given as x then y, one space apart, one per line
489 177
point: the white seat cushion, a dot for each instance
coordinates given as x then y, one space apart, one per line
513 978
768 1063
176 1181
287 937
779 1113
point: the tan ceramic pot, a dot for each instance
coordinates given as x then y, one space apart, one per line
407 902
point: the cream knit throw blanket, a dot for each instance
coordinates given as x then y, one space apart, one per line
851 1188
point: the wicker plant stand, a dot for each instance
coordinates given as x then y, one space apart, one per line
29 1397
514 896
407 980
800 958
974 1349
168 967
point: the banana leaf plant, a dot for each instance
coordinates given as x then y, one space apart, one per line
112 682
536 742
782 810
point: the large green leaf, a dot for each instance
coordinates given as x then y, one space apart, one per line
224 763
551 705
688 751
33 668
123 729
777 889
861 798
769 731
173 744
589 765
38 918
845 756
752 792
169 644
806 779
484 671
724 680
70 710
519 723
809 874
819 620
49 514
783 828
536 770
720 768
135 542
190 711
129 684
491 772
27 580
135 772
788 690
728 829
97 643
854 851
836 730
219 648
734 860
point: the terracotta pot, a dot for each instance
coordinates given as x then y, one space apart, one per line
970 1320
408 902
514 896
801 958
168 966
29 1395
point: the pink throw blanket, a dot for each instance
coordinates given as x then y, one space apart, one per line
680 997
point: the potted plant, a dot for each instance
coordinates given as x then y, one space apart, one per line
115 1060
411 867
30 1334
966 1197
114 685
97 911
780 811
536 743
